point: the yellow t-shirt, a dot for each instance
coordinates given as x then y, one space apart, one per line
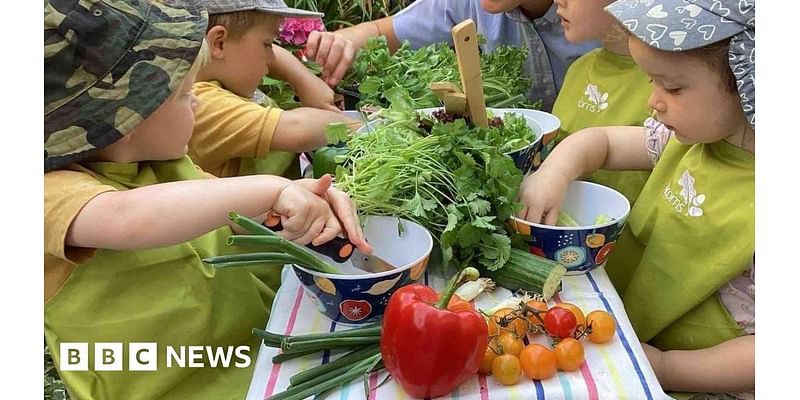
230 129
66 192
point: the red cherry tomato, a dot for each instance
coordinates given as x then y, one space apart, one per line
560 322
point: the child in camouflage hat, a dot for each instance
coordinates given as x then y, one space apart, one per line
128 217
233 135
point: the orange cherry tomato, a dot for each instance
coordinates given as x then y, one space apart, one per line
511 344
603 326
540 306
538 362
488 358
505 321
580 320
506 369
569 354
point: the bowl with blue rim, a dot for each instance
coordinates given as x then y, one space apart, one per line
357 297
591 220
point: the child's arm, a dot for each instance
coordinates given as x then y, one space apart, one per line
335 51
583 152
170 213
727 367
311 90
303 129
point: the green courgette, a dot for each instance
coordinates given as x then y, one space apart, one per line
528 272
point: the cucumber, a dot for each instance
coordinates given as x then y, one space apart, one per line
528 272
565 219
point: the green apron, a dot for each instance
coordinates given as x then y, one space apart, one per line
164 295
602 88
691 231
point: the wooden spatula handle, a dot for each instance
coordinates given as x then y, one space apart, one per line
465 39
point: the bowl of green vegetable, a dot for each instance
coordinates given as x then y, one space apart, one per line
514 134
358 297
550 126
590 221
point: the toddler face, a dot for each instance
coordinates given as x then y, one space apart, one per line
688 96
585 20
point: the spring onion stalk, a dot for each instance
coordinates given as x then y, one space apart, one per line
355 371
358 332
282 357
345 360
325 344
276 242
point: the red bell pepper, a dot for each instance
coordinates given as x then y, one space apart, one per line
428 347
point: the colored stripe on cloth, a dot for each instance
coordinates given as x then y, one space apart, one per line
304 361
610 365
276 368
536 383
622 337
373 385
591 386
484 389
326 355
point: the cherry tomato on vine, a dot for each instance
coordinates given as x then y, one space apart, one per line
488 358
538 306
538 362
560 322
579 318
603 326
569 354
506 369
510 344
505 321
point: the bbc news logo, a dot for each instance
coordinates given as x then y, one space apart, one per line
109 356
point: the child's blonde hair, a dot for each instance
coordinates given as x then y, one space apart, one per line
239 22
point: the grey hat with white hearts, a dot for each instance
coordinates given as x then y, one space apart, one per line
678 25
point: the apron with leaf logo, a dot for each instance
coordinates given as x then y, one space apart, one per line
691 231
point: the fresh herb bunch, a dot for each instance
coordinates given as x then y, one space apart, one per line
454 180
380 77
509 133
278 93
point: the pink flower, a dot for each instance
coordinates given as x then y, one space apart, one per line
295 31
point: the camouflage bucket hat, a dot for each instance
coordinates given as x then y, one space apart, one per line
107 66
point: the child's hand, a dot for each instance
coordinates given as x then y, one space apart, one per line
345 211
305 215
315 93
333 52
541 195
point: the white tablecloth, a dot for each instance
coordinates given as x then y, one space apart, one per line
614 370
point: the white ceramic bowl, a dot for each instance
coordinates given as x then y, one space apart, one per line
358 297
583 248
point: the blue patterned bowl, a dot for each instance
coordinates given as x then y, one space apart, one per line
358 297
583 248
523 157
550 126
